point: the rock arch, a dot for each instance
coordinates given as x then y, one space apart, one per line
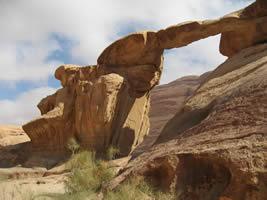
107 104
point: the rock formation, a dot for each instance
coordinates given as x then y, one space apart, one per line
215 147
166 100
108 104
95 107
10 135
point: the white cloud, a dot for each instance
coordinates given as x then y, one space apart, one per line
23 109
27 61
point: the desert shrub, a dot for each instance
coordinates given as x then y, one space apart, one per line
87 173
134 189
112 152
73 145
81 160
128 190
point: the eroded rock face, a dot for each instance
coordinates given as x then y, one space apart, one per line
253 33
166 100
94 106
138 56
215 148
107 104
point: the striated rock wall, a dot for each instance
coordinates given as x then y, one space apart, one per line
215 148
166 100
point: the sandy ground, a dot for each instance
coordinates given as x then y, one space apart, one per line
23 175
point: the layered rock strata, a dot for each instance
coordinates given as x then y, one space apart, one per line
166 100
215 147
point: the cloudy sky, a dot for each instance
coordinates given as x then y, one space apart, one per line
37 36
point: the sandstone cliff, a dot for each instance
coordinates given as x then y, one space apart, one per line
166 100
215 147
108 104
94 106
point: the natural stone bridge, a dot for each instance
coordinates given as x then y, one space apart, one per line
108 104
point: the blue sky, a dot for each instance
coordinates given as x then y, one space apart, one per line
38 36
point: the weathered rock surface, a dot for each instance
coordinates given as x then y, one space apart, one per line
137 55
94 106
166 100
216 146
253 33
10 135
11 139
108 104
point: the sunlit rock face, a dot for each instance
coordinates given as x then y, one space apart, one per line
94 106
108 103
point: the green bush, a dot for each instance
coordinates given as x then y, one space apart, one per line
112 152
87 173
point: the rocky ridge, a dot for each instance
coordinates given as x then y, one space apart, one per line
215 146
